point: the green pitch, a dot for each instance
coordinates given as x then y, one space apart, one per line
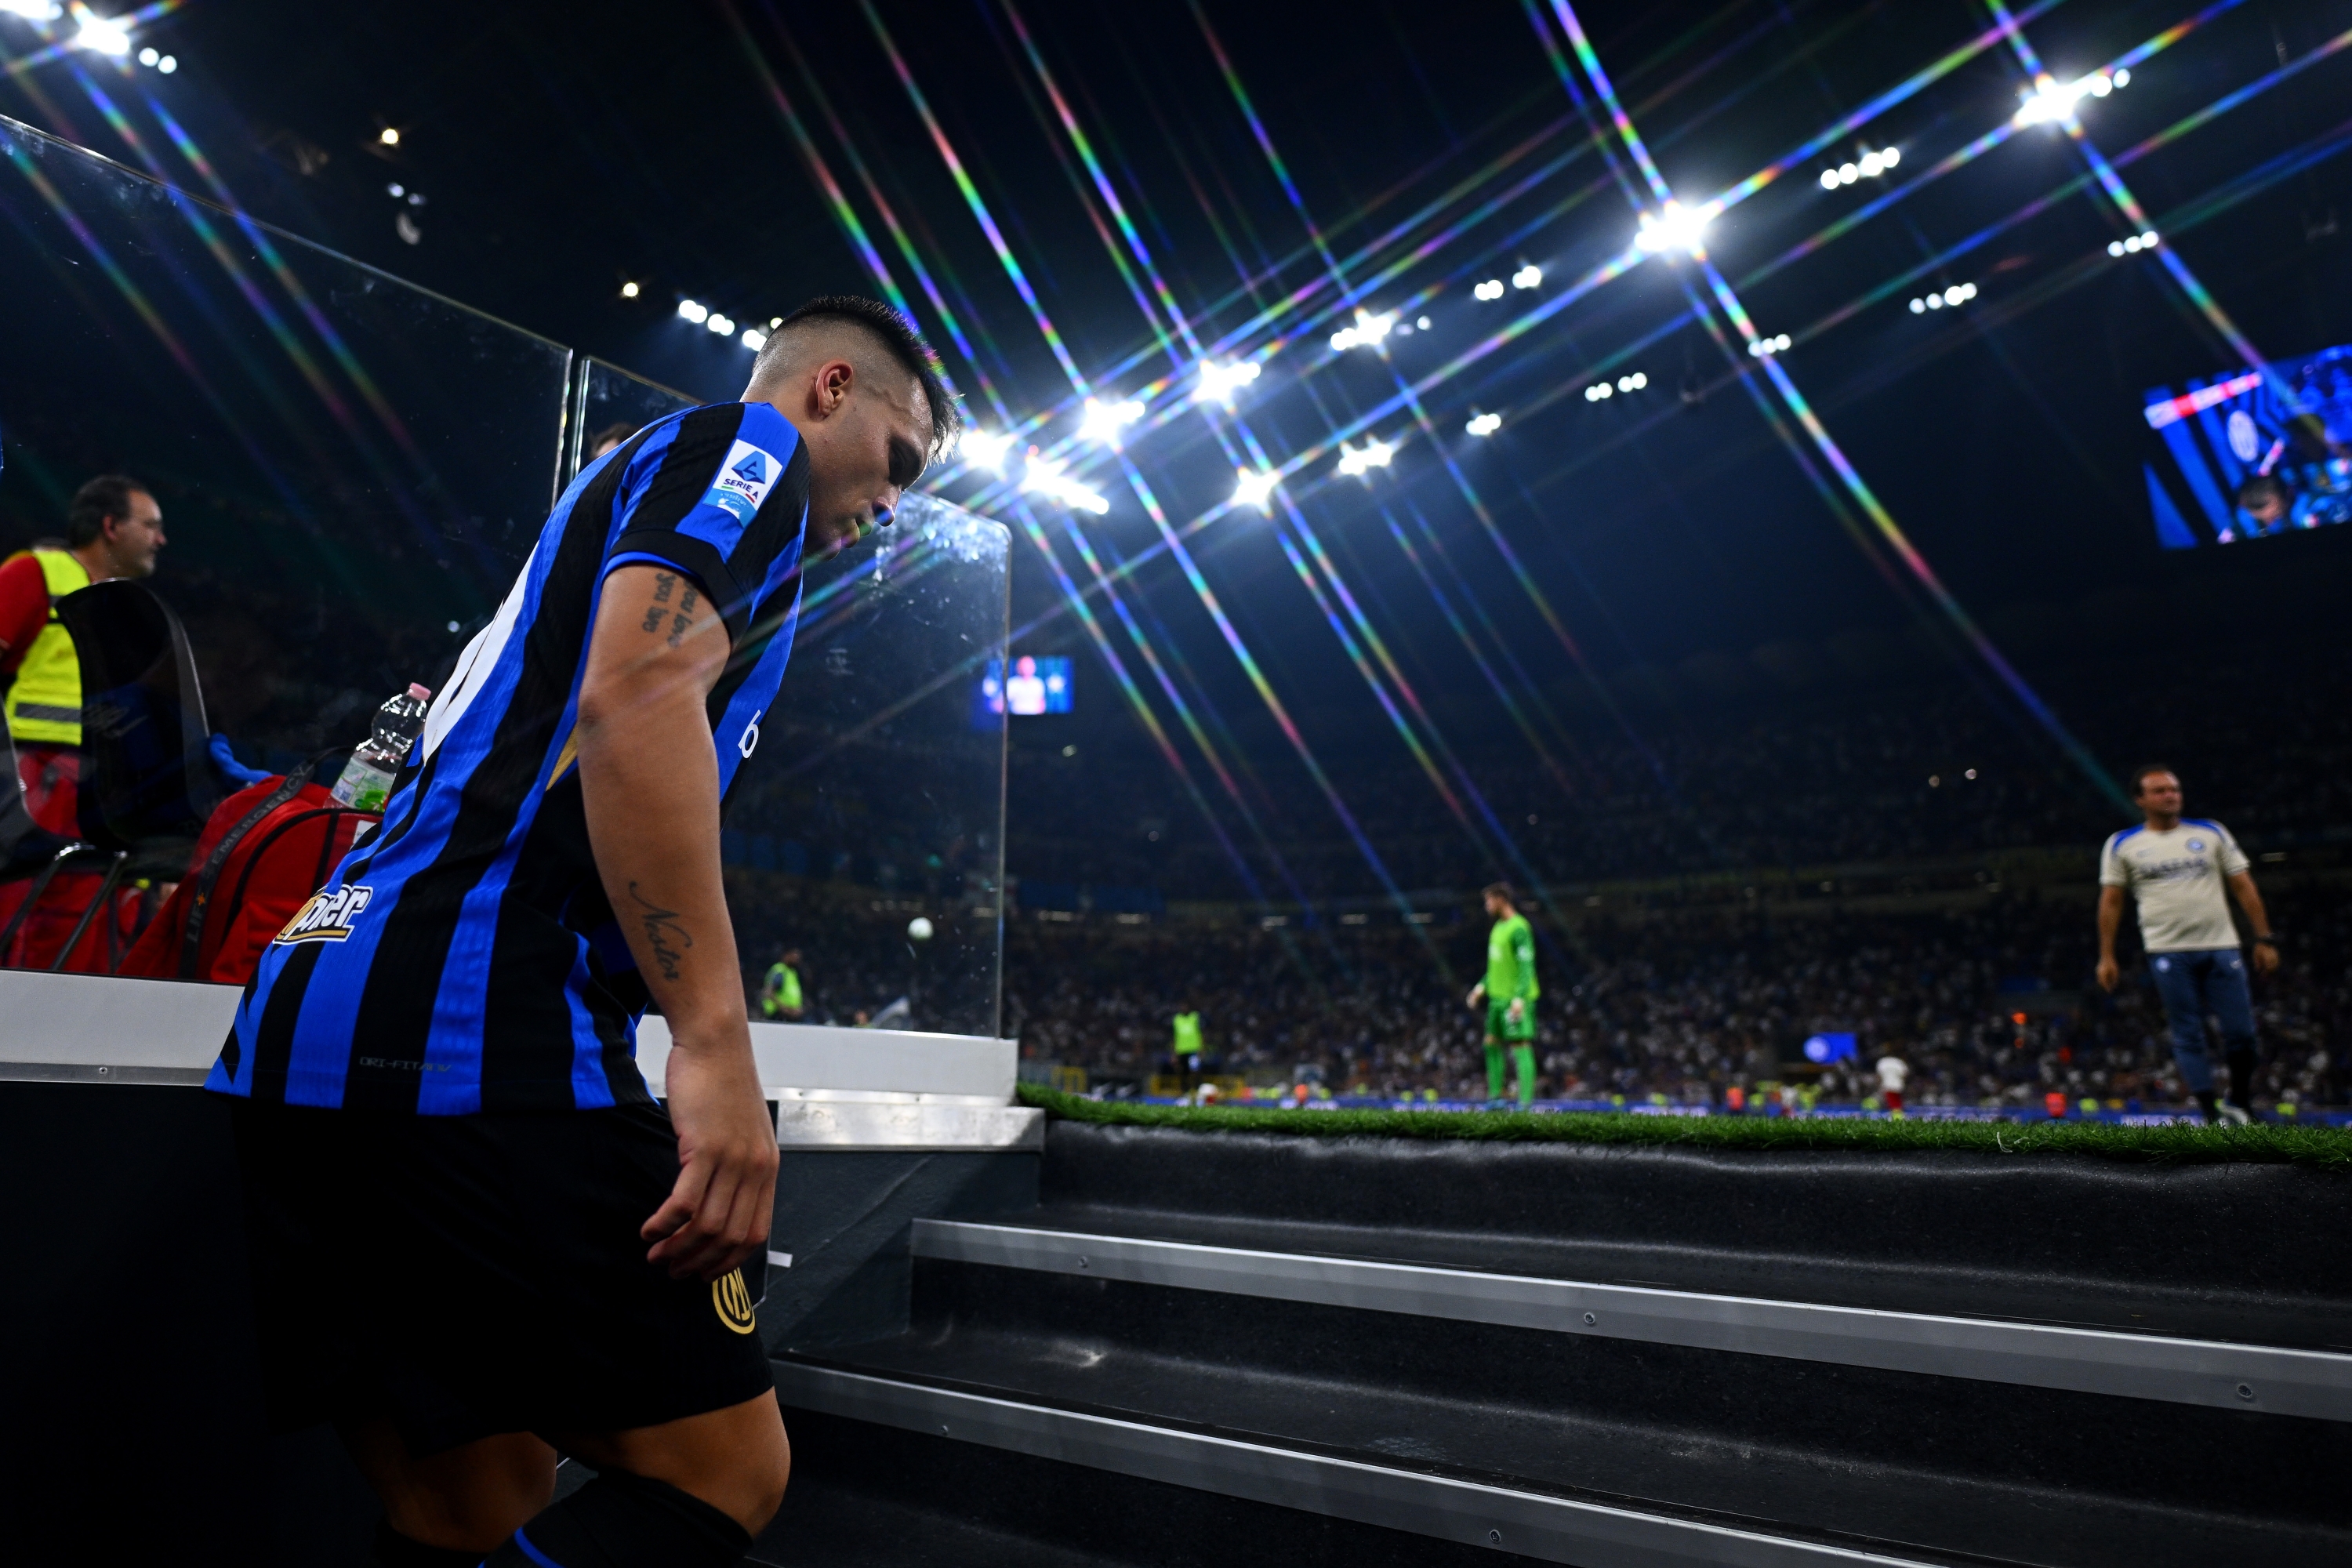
2321 1148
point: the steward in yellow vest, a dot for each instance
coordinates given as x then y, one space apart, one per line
114 529
44 702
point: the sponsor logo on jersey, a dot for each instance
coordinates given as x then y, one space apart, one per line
731 1298
744 481
2196 844
328 916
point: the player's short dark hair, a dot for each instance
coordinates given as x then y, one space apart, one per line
895 332
2260 488
107 496
1500 890
2140 774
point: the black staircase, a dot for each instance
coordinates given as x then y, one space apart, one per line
1241 1348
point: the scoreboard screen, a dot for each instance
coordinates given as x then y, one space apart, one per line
1034 685
2252 453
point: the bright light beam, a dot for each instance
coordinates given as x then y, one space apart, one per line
1102 421
1369 331
984 448
1220 382
1372 454
100 34
1255 489
1043 476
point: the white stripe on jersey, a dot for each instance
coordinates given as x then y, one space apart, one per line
474 666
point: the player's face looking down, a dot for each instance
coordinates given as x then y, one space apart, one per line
867 427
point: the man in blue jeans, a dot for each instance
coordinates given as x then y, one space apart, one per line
2175 867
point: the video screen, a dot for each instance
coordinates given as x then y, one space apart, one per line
1034 686
2252 454
1830 1048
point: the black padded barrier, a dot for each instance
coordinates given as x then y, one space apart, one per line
1827 1456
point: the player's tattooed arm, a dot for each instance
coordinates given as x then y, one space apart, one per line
666 939
649 788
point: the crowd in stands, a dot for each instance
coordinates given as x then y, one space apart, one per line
1990 1006
1875 777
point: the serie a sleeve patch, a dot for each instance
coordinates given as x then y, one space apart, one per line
744 481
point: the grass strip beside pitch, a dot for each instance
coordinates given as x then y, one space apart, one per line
2318 1148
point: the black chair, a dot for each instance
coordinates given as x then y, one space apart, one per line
146 786
145 776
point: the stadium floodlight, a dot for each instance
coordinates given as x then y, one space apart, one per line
1367 334
1043 476
1220 382
167 65
33 10
388 136
1673 227
1492 288
753 339
1484 424
723 325
1526 277
1255 489
1869 166
694 310
1763 348
149 56
1599 391
1372 454
100 34
984 448
629 288
1960 293
1633 383
1103 421
2049 102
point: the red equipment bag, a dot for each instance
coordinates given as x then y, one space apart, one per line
263 852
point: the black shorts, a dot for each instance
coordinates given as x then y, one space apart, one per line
462 1276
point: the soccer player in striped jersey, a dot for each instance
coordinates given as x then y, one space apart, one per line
475 1235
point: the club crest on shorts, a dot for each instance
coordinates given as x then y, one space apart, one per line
327 917
732 1300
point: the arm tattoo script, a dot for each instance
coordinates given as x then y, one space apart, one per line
680 621
663 582
662 929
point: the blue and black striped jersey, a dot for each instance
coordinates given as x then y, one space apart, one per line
464 958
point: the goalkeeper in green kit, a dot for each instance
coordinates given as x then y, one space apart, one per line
1508 995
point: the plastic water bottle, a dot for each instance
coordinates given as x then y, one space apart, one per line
367 777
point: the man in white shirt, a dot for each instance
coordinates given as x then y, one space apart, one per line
1893 1072
2176 867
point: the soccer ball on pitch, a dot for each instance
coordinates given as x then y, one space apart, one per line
920 928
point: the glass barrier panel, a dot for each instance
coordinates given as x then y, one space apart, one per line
613 405
350 473
867 833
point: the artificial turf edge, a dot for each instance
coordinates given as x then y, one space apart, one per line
2315 1148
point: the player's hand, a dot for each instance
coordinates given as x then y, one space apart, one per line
2267 959
718 1214
1517 1010
1477 996
2108 973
